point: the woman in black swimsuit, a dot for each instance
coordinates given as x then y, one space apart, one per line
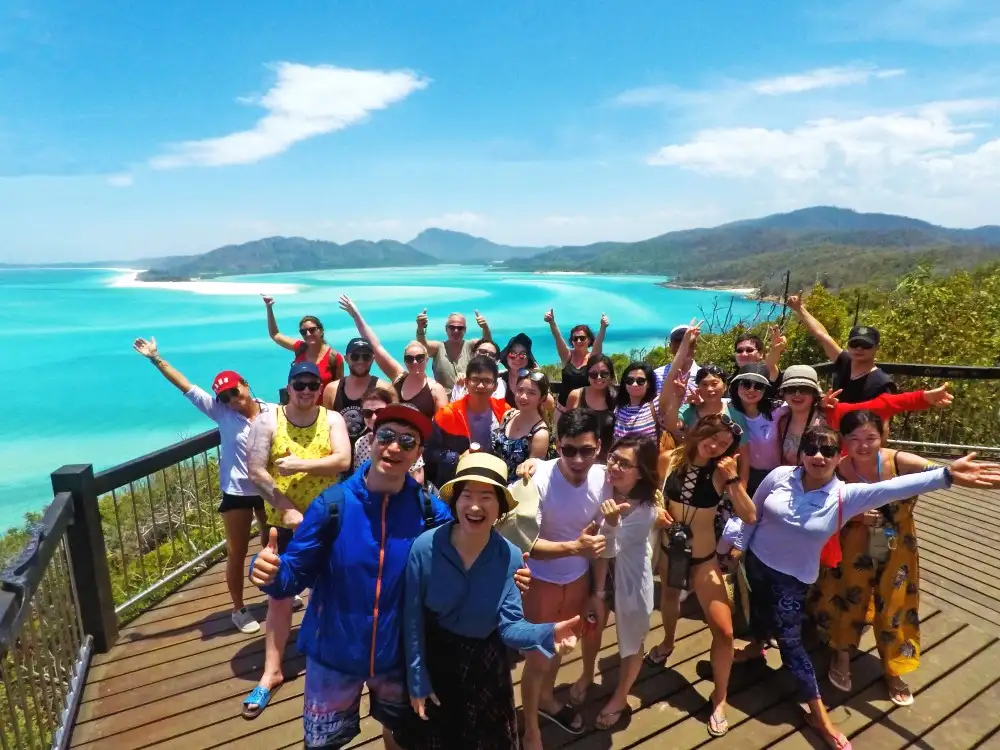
574 360
701 472
410 381
598 396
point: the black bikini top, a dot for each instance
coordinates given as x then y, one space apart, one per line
692 486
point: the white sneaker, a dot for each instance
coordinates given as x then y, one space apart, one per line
297 603
684 595
245 622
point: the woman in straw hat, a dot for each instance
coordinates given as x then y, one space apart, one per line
462 611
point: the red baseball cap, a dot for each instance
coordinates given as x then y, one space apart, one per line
225 380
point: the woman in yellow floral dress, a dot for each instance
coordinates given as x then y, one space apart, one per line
877 582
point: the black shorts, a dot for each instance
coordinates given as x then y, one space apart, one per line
240 502
284 537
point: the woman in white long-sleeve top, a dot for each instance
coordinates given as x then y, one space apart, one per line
798 510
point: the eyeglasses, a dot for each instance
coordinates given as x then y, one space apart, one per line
571 451
620 462
859 345
574 339
414 359
827 451
535 376
727 421
451 327
482 382
228 395
798 390
363 356
307 331
302 385
745 350
369 413
752 385
630 380
486 353
387 436
599 375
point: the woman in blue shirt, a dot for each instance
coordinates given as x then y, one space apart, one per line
462 611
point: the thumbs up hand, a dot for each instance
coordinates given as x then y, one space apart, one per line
590 543
522 576
612 511
266 564
422 320
566 635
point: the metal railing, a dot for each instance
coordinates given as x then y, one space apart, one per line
971 423
44 647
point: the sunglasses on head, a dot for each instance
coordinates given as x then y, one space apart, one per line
302 385
752 385
798 390
707 370
387 436
746 350
571 451
228 395
860 345
452 327
579 337
414 359
362 356
635 380
535 376
827 451
369 413
727 421
486 353
599 375
308 330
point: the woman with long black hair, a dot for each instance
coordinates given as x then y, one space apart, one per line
750 395
599 397
636 409
574 358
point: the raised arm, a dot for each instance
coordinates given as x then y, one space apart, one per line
561 349
277 337
483 326
776 347
598 348
383 359
258 454
670 402
815 328
148 350
432 346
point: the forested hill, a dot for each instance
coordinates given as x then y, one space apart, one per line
835 246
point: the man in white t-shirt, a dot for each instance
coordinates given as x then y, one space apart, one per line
567 571
676 337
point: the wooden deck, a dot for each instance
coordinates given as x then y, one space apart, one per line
178 675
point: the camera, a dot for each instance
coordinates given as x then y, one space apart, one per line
678 556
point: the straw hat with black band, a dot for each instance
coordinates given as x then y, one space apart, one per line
480 467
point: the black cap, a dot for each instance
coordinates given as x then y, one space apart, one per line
358 343
863 335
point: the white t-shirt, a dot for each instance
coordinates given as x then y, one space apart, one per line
563 512
234 429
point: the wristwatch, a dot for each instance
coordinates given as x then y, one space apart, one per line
948 477
732 480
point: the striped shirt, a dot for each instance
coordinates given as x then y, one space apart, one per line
636 420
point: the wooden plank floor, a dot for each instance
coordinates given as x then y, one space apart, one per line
179 672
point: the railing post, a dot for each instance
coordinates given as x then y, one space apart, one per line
89 555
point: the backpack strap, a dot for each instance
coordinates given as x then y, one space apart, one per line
335 517
427 505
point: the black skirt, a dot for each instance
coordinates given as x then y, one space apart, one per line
472 680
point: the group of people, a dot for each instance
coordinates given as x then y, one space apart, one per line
404 505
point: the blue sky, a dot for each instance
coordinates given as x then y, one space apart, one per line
142 129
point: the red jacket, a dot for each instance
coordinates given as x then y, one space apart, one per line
450 437
886 406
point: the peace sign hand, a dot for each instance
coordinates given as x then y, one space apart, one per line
830 400
794 302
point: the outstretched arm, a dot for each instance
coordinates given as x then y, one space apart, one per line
272 327
815 328
432 346
776 347
598 348
149 350
561 349
483 326
383 359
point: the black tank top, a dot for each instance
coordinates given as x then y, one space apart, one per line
572 378
350 409
692 486
424 400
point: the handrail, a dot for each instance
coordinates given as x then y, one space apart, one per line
944 372
137 468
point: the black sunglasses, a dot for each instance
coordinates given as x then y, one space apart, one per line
414 359
535 376
451 327
630 380
859 345
362 356
798 390
369 413
571 451
228 395
486 353
305 331
302 385
744 350
579 338
752 385
811 449
599 375
387 436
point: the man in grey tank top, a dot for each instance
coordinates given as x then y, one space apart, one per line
450 356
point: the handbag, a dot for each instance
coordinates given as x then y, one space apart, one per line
831 554
520 526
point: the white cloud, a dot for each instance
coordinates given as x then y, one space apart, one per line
822 78
305 101
463 221
121 180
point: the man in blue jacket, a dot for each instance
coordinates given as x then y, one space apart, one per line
351 551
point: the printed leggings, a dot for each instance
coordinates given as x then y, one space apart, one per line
777 606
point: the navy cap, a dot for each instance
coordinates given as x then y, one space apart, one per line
304 368
358 343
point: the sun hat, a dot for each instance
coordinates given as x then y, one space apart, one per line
801 375
225 380
407 414
524 340
753 373
480 467
864 335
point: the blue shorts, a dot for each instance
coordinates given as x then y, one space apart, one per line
331 713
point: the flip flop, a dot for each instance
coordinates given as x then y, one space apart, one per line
657 657
259 697
718 726
608 719
899 693
839 679
574 700
838 741
563 718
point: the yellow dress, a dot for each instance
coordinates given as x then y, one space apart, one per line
312 441
861 593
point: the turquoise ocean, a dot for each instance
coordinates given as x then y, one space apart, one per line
77 393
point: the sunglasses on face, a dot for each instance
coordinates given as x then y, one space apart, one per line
307 331
517 355
599 375
621 463
486 353
745 350
369 413
414 359
535 376
302 385
571 451
451 327
750 385
860 345
387 436
574 339
361 356
827 451
228 395
635 380
797 390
